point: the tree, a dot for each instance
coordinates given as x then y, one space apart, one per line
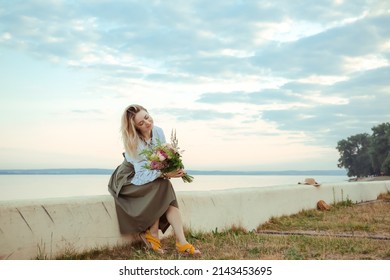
355 156
386 165
380 149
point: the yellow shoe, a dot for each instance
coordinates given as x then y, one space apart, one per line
187 249
151 242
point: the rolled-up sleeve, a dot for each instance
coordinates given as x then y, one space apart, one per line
144 175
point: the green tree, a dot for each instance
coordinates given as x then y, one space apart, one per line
386 165
355 156
380 149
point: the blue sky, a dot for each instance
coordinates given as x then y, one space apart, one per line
248 85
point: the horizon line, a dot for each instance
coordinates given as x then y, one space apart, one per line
71 171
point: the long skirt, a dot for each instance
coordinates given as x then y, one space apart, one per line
138 207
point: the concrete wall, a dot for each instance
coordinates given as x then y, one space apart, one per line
46 228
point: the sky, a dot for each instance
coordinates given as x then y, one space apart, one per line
247 85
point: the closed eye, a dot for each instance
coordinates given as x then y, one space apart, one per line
142 122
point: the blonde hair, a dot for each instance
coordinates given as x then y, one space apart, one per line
130 134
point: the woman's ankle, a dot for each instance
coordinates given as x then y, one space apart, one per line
181 242
154 233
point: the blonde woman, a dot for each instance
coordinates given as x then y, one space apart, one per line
145 199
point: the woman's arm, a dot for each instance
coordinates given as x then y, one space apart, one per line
144 175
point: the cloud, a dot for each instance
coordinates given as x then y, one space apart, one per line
195 115
370 82
323 53
187 38
364 103
263 97
90 111
312 72
328 112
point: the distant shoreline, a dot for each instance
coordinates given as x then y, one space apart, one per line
97 171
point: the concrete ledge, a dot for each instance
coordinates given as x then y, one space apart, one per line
46 228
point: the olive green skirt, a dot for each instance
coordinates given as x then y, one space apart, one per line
138 207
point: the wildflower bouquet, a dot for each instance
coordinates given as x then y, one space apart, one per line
166 158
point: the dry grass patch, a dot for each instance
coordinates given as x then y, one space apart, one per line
352 219
361 220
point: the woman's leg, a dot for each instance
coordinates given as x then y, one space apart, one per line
154 232
174 218
154 228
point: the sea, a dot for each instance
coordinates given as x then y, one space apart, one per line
38 186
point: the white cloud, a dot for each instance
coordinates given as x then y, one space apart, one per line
286 31
319 99
5 36
322 80
364 63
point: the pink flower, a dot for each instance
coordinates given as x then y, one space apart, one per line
155 165
161 155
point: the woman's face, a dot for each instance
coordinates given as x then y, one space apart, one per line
143 122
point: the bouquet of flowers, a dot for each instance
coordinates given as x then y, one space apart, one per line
166 157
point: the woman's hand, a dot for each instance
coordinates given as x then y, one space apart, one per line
175 174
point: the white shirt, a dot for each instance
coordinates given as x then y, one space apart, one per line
142 174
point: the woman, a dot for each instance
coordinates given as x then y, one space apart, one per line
145 200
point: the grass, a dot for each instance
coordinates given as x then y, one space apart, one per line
347 231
